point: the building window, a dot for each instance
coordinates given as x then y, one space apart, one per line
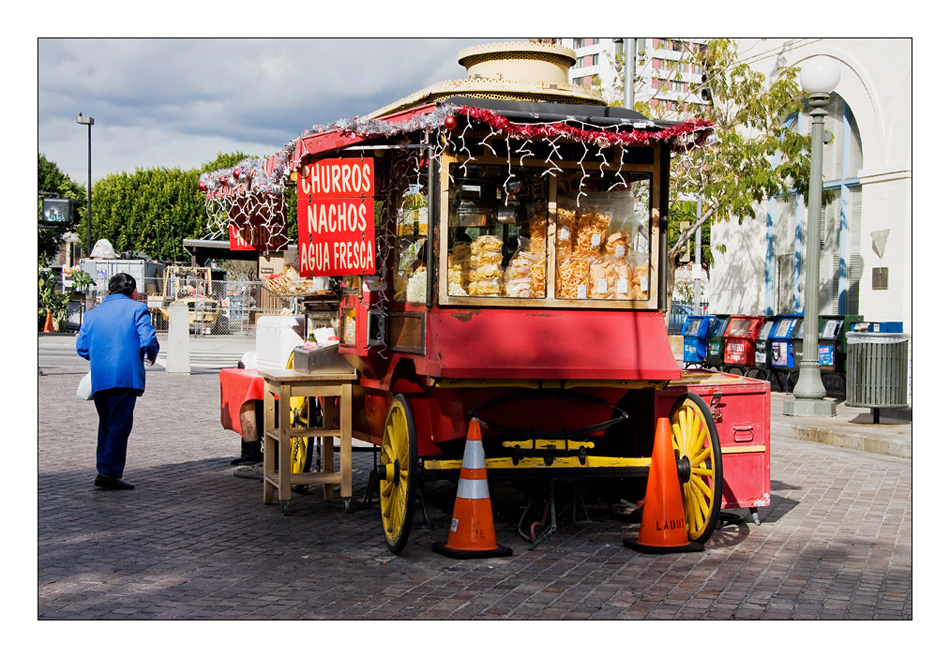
839 225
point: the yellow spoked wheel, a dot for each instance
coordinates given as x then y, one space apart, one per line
299 454
300 446
699 464
397 473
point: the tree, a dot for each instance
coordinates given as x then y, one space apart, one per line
52 181
153 210
734 171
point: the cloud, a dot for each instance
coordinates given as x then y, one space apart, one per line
180 102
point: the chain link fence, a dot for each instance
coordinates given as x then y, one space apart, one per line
228 308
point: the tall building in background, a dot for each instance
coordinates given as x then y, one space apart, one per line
662 74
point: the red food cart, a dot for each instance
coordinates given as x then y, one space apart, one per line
505 260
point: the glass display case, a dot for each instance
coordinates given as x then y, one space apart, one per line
533 235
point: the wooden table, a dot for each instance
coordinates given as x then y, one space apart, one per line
278 433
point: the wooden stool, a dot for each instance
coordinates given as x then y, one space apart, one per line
278 432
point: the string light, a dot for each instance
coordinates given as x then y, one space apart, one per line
229 191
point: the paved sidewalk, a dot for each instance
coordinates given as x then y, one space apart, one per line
194 542
852 428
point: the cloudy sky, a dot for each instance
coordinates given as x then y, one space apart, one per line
180 102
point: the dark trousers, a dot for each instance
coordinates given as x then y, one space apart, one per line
115 407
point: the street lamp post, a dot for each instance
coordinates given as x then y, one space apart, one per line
819 76
88 122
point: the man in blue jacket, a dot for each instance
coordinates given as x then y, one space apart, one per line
116 337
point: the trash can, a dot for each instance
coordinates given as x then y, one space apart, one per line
877 371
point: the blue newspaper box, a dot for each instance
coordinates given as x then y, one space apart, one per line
782 356
694 333
878 327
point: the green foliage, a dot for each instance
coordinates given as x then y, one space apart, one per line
751 158
150 210
224 161
683 213
153 210
736 172
80 280
49 299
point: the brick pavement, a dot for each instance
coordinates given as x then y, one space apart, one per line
194 542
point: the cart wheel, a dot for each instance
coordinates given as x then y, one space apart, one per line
696 446
284 507
397 473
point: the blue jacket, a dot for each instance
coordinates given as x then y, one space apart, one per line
114 337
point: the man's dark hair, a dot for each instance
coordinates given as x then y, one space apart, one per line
122 284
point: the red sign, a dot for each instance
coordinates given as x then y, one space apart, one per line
255 236
336 215
342 178
238 243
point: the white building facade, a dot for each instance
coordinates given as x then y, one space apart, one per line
866 229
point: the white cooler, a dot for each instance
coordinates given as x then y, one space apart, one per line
277 336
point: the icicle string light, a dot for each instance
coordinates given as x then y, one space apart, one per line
226 188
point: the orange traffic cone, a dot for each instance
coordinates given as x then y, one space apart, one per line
48 327
473 531
663 527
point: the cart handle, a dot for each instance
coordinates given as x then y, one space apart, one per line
563 434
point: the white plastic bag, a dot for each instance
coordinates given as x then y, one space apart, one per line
84 390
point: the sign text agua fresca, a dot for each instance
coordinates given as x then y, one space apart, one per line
335 211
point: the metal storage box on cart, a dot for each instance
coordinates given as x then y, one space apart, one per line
740 408
716 341
740 337
694 333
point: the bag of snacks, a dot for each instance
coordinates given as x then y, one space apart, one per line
591 232
572 276
485 273
604 273
521 271
564 232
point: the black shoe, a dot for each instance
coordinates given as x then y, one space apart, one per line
106 482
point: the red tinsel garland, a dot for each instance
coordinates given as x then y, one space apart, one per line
600 137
